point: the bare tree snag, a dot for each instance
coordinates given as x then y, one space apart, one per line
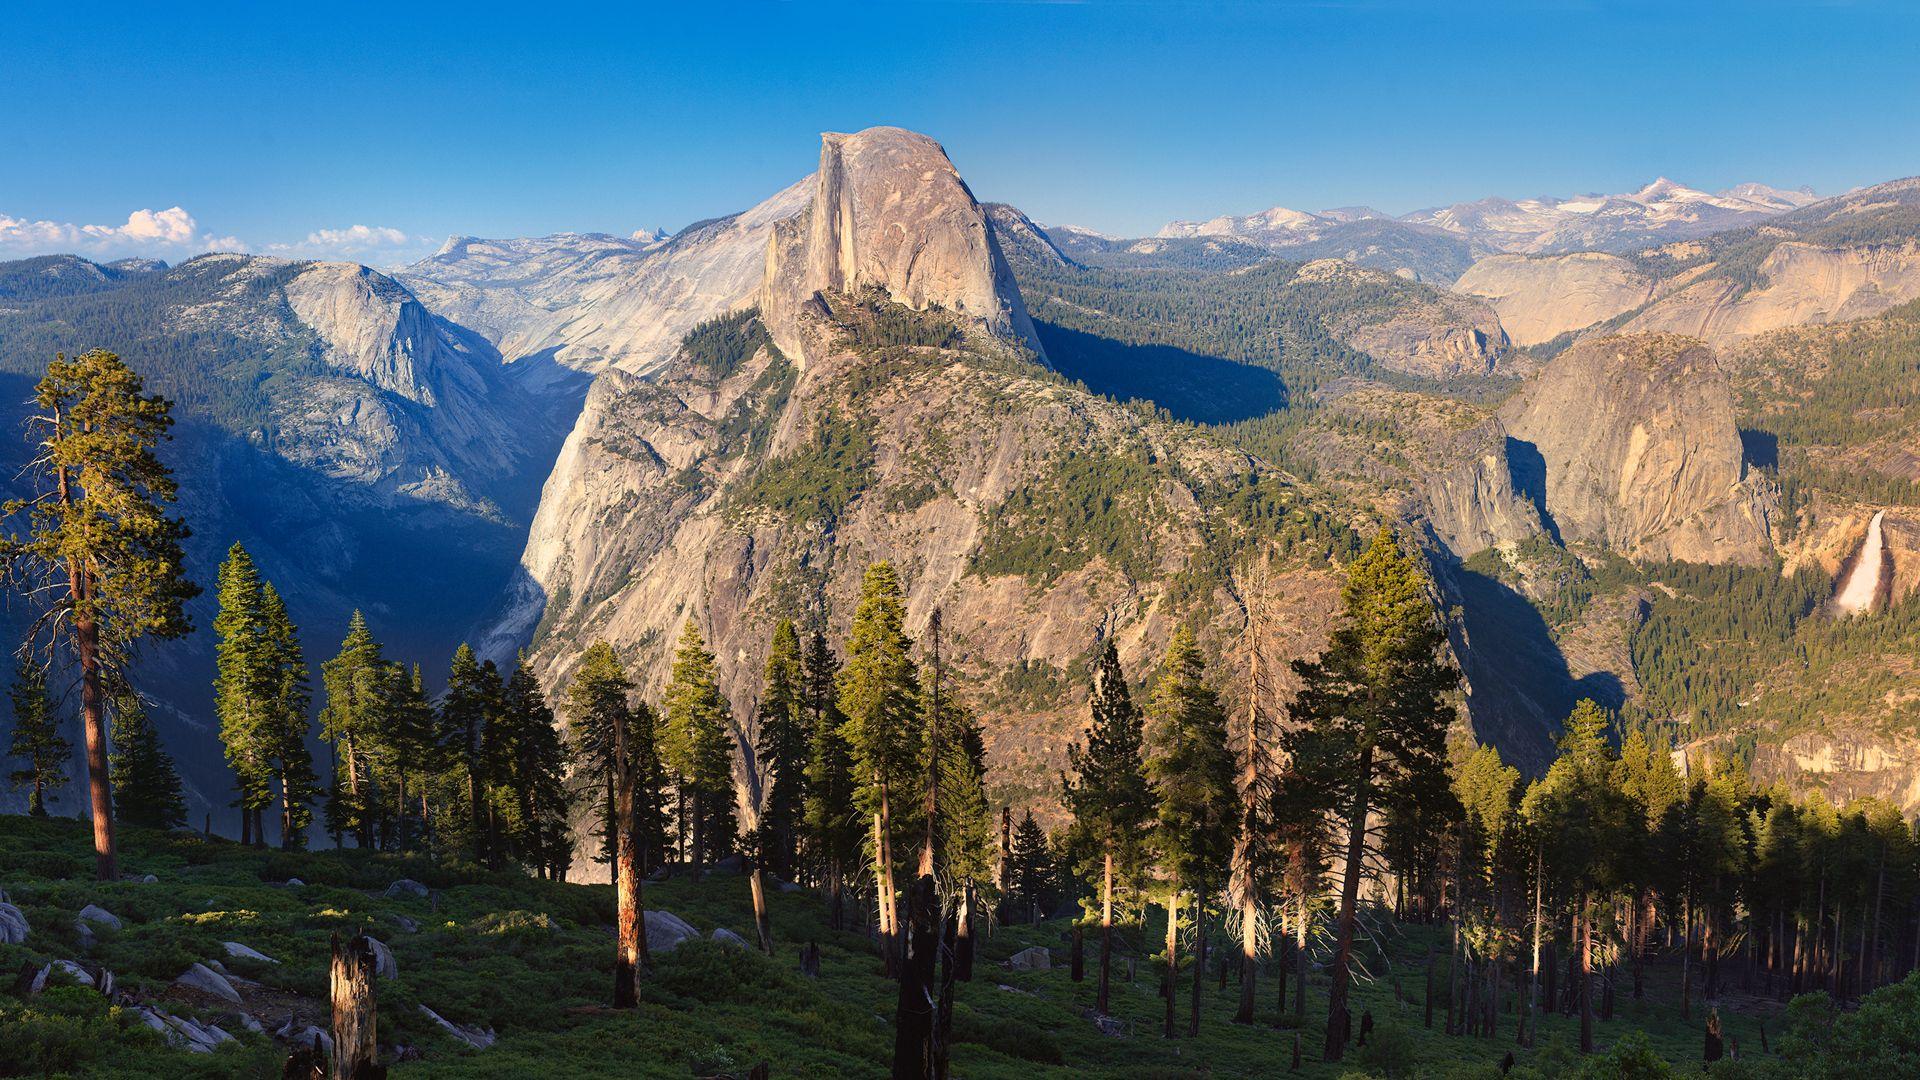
626 874
356 1049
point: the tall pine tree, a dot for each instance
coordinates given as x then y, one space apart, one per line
1108 796
1374 712
696 746
99 549
879 696
782 749
832 821
1192 774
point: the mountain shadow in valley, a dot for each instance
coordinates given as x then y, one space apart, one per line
1191 386
1520 687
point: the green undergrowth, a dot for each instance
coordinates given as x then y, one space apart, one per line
532 960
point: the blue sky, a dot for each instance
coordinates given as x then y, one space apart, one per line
375 131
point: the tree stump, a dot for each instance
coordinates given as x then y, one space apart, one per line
1079 959
356 1049
306 1063
810 961
1714 1049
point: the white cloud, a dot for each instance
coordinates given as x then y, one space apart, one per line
357 237
171 232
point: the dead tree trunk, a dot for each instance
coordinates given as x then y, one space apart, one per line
626 875
356 1049
914 1012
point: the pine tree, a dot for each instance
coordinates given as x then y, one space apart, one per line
782 749
36 740
532 758
1374 714
244 688
1030 872
601 691
288 721
879 696
697 747
358 687
832 822
146 788
1108 796
1192 773
600 720
467 709
1586 826
99 548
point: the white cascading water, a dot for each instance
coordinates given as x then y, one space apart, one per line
1863 581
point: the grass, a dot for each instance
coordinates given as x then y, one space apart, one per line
532 960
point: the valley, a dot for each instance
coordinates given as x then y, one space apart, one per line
1638 475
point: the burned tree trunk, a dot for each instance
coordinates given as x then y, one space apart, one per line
356 1048
914 1013
626 875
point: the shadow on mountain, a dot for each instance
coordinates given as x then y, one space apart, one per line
1760 449
1527 471
1191 386
1520 687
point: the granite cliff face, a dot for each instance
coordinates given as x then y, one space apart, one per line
1797 283
1641 453
889 212
593 301
1540 297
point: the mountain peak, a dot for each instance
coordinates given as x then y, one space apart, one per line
890 211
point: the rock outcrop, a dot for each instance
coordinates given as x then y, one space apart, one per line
889 212
1795 284
1540 297
1422 331
1478 503
1641 452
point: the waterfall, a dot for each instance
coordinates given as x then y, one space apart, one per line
1863 580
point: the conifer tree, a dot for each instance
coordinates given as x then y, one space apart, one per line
98 549
466 710
532 759
1373 711
1108 796
291 700
1030 872
696 746
783 747
36 740
879 697
244 687
358 684
1585 823
600 718
146 787
832 822
1192 774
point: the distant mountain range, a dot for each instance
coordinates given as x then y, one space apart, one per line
1438 244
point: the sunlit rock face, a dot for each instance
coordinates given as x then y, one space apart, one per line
1641 452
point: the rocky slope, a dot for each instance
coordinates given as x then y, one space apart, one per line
1415 331
893 410
1540 297
593 301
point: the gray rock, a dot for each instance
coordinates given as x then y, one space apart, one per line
727 937
149 879
304 1034
294 883
206 980
240 952
405 924
407 888
732 864
1033 959
788 886
384 965
100 915
78 973
478 1038
13 925
665 931
246 1020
